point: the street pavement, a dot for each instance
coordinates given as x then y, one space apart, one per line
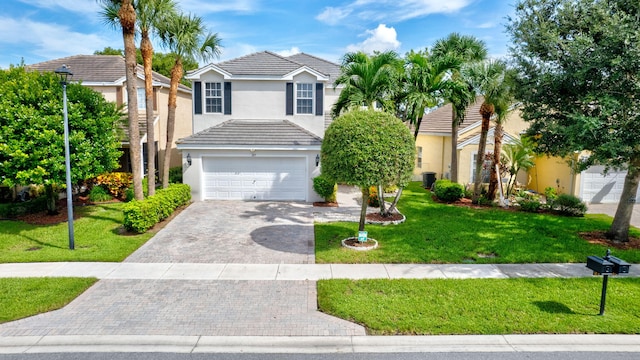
241 277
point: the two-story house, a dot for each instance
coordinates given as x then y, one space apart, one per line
106 74
258 124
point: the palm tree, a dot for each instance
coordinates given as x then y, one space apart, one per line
367 79
519 156
489 79
467 49
151 13
122 12
186 38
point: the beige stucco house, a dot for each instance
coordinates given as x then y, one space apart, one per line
106 74
258 124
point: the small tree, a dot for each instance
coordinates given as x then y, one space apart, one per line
368 148
31 132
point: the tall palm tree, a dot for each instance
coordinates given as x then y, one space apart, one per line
122 12
367 79
150 13
489 79
467 49
186 38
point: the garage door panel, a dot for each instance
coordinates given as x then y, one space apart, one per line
597 188
255 178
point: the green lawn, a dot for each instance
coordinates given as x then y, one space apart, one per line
441 233
97 238
484 306
23 297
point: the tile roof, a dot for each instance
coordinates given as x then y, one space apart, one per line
254 132
324 66
261 63
97 69
439 120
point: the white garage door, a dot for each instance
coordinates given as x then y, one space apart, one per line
596 188
255 178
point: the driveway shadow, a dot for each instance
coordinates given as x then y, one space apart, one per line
295 239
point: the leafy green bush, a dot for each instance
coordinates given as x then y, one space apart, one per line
98 194
116 183
551 195
11 210
448 191
139 216
530 205
570 205
175 175
325 187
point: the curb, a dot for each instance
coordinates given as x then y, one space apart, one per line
318 344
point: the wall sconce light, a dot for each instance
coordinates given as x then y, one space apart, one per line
317 159
189 159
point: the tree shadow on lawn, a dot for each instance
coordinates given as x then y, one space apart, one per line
553 307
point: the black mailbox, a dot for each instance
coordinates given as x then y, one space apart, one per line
619 266
600 265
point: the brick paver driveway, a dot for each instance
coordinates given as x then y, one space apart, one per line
206 232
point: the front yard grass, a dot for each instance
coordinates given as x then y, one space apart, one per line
442 233
97 235
23 297
484 306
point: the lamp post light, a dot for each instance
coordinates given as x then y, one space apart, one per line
64 73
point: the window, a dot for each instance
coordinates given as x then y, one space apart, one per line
486 169
142 101
419 151
304 98
213 97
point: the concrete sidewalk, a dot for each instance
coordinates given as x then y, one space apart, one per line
294 272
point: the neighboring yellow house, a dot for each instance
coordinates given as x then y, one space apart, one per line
106 74
433 144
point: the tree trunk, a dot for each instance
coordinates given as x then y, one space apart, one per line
146 48
127 16
363 209
497 148
395 201
486 110
619 231
176 75
52 199
383 210
454 148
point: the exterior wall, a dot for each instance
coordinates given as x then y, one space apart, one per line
260 100
194 175
433 156
108 92
553 172
183 126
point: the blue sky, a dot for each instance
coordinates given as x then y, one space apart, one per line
40 30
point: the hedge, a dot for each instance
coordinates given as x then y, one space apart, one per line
448 191
139 216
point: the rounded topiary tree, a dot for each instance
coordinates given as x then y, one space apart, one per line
367 148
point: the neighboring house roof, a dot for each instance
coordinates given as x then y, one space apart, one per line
100 70
252 133
438 122
267 65
322 65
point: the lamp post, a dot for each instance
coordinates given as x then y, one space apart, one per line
64 73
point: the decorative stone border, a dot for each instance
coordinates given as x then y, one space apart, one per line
360 248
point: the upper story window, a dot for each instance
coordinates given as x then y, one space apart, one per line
304 98
142 101
213 97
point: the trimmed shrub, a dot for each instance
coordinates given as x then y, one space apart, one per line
175 175
11 210
139 216
374 200
448 191
529 205
98 194
570 205
325 187
116 183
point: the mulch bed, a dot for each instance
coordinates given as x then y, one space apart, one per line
599 238
355 243
377 217
325 204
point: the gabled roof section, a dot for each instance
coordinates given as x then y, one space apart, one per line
99 69
322 65
438 122
253 133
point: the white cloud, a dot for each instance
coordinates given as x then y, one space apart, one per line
85 6
332 15
294 50
382 38
390 10
47 40
235 51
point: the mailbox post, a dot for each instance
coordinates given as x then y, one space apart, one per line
609 265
